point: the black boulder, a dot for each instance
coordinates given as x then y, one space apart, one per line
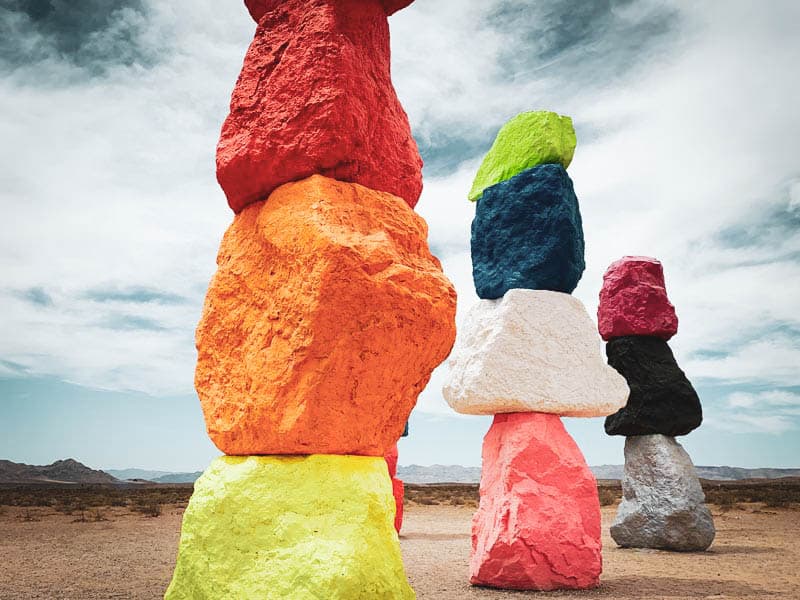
662 399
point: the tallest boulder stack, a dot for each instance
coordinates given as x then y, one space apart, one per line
323 322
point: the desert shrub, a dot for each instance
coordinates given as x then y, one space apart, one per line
29 516
608 496
147 507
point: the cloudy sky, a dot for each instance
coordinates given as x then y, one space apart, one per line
688 150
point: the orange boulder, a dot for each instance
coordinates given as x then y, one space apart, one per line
322 324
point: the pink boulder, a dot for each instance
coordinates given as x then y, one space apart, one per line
391 460
633 300
315 97
538 523
398 490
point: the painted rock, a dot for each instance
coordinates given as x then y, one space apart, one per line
662 501
398 490
258 8
322 324
315 97
391 460
527 233
538 523
633 300
662 400
527 140
278 527
531 351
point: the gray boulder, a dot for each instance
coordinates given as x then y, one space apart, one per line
663 504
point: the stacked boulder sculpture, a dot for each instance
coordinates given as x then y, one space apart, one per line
323 322
528 353
663 503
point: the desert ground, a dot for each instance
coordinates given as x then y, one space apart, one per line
80 547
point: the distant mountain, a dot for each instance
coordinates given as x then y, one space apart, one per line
737 473
61 471
145 474
178 477
439 474
459 474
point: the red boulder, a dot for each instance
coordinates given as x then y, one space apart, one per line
391 460
538 523
634 301
315 97
258 8
398 490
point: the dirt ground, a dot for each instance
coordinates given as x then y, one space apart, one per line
48 555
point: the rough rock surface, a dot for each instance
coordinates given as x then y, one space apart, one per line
662 400
531 351
527 140
538 523
391 460
315 97
322 324
398 490
633 300
278 527
527 233
258 8
662 503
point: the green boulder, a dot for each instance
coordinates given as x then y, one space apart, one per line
527 140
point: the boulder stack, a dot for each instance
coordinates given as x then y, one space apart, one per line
323 322
528 353
663 503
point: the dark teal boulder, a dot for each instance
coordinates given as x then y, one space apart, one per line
527 233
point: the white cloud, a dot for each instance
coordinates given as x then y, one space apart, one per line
772 411
111 184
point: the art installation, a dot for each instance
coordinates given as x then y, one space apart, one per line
528 353
323 322
663 504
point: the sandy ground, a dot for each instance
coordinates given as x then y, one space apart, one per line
755 555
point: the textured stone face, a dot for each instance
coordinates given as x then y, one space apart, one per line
315 97
258 8
633 300
391 460
662 400
322 324
663 503
531 351
527 140
398 490
278 527
527 233
538 523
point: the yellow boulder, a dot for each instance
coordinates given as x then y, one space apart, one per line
299 527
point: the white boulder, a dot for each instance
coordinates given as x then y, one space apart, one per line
532 351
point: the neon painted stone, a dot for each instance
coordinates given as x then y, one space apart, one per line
278 527
633 300
391 460
531 351
398 489
322 324
315 97
529 139
258 8
527 233
538 523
